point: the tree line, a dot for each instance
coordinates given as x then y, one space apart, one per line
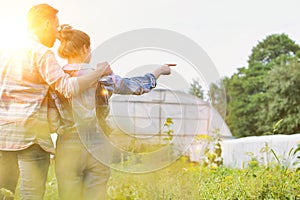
264 96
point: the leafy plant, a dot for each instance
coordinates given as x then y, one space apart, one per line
6 193
196 89
254 161
292 160
276 126
169 132
213 149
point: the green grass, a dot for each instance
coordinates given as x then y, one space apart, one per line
184 180
51 185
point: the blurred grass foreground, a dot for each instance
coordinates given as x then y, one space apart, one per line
185 180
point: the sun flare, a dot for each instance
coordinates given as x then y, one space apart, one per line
12 35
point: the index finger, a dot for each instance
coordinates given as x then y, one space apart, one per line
171 64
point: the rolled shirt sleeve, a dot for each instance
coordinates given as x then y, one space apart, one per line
135 85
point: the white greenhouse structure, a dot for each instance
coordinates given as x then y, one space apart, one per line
164 117
145 116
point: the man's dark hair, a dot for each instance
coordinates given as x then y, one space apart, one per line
38 14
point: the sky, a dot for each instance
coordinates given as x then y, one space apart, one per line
226 30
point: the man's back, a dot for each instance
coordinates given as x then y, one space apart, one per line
23 94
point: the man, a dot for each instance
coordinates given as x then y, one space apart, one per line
25 77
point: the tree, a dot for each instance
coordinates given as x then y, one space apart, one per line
196 89
283 99
239 105
247 90
271 48
217 96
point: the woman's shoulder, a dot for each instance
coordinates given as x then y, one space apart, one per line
81 68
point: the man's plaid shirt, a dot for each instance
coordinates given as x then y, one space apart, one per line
25 77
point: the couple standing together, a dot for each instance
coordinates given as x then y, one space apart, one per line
37 96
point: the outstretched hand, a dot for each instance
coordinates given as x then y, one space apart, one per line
163 70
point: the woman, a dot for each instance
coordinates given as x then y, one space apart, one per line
80 175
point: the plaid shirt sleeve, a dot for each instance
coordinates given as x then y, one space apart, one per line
52 73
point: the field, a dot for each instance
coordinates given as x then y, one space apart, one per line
185 180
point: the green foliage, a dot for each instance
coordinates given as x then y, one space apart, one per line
212 150
6 193
268 158
282 98
292 161
271 48
242 106
51 185
253 162
276 126
196 89
252 108
217 96
262 159
186 180
169 132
